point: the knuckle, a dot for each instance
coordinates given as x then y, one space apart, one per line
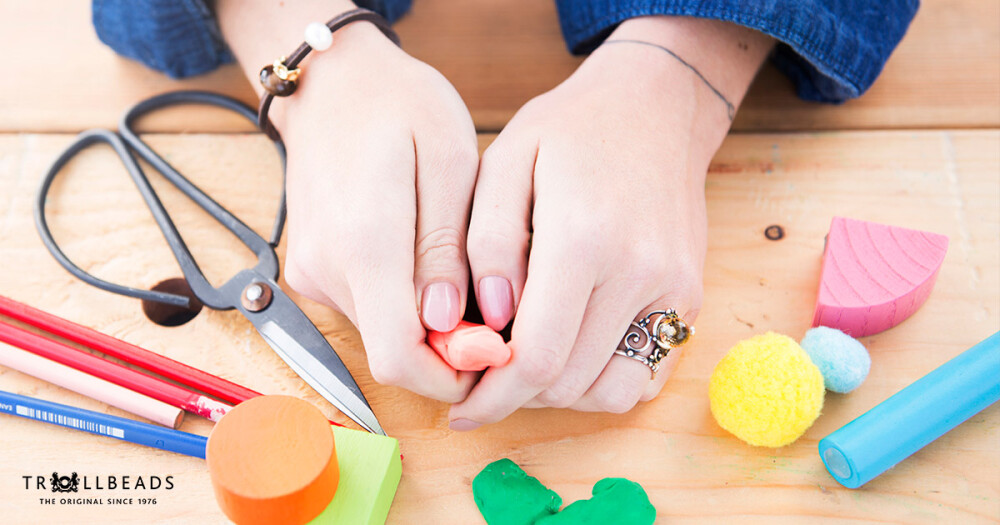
295 277
486 243
497 157
441 246
583 242
363 243
301 273
301 256
617 399
387 371
587 232
450 159
662 272
357 228
649 260
451 396
650 394
694 310
685 294
561 395
542 366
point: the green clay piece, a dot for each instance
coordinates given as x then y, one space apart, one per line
615 500
506 495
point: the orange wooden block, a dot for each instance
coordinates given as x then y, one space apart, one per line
272 460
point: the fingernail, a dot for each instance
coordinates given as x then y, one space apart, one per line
496 301
440 307
463 425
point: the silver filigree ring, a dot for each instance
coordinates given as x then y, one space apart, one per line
651 338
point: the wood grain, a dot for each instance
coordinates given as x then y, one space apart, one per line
499 54
938 181
874 276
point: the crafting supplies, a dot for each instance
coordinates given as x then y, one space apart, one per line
113 372
177 371
842 359
273 460
612 500
874 276
90 386
507 495
766 390
469 346
370 469
156 363
915 416
103 424
254 291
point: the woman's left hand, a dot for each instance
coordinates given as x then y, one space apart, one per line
602 180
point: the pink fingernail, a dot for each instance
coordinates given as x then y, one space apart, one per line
496 301
463 425
440 307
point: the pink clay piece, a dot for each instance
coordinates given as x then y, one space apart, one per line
470 347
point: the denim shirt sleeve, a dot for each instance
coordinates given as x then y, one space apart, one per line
832 49
180 37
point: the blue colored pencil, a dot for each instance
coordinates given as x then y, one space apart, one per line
104 424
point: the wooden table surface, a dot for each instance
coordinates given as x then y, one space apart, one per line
921 150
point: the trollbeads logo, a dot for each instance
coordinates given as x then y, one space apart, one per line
88 489
77 483
65 483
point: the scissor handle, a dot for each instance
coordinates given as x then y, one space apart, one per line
124 145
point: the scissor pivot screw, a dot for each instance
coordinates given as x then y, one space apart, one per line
256 297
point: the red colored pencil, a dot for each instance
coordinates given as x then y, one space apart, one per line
127 352
120 375
90 338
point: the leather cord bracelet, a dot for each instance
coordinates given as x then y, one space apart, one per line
280 79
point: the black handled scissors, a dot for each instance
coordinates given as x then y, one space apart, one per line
254 292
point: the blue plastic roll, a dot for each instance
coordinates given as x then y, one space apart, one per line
915 416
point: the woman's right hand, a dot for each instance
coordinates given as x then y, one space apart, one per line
382 161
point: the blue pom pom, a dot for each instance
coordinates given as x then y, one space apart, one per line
842 359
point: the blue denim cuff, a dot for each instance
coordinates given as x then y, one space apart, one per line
180 37
392 10
832 49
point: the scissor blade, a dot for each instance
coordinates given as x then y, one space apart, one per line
320 367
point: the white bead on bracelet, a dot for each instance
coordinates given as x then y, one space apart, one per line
318 36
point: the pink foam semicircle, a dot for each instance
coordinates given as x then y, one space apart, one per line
875 276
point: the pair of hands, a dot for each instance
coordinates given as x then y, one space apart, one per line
601 180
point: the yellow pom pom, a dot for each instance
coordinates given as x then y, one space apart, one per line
766 390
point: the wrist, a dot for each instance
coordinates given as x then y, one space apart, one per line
727 55
259 32
356 54
694 71
659 95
